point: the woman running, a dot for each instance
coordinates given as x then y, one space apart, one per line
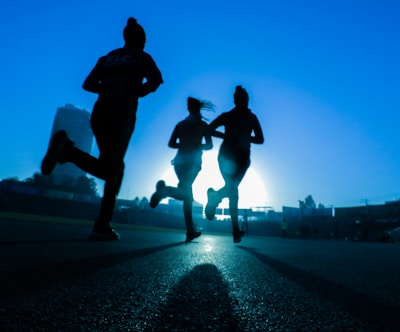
241 129
119 78
191 136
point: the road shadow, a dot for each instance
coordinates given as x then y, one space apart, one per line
34 278
199 302
377 312
34 242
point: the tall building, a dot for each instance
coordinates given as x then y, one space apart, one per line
76 122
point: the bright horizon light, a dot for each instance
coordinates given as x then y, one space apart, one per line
252 192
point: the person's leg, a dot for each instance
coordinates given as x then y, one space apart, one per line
232 181
112 135
179 193
191 231
111 189
113 167
214 197
187 173
163 191
55 151
85 161
61 149
212 204
233 207
159 194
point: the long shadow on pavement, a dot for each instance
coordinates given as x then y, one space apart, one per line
40 241
199 302
360 305
23 281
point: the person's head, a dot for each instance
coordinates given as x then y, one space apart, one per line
241 97
134 34
195 105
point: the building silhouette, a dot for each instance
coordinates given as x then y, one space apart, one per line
76 122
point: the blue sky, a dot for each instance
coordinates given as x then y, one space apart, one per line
323 78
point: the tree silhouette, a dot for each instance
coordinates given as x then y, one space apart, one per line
81 185
309 202
144 203
86 185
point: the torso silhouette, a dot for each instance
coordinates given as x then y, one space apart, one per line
122 72
238 124
190 133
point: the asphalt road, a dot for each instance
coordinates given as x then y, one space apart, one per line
54 279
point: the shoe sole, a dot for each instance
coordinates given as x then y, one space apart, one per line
103 237
189 239
157 196
154 200
238 238
53 152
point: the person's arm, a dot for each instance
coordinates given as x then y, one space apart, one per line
218 122
208 145
218 134
153 77
258 137
92 82
174 140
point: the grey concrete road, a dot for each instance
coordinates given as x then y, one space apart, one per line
54 279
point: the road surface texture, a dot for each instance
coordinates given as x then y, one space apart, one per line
54 279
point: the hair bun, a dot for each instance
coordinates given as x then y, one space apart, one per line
134 34
241 97
132 21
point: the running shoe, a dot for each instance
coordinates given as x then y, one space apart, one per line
212 203
54 152
158 195
192 235
104 233
237 236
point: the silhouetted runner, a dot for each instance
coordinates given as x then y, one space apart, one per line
241 129
190 136
119 78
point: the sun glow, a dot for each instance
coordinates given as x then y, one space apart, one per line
252 191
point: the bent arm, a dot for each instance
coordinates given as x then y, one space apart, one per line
174 140
218 134
258 137
153 78
208 145
218 122
92 82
